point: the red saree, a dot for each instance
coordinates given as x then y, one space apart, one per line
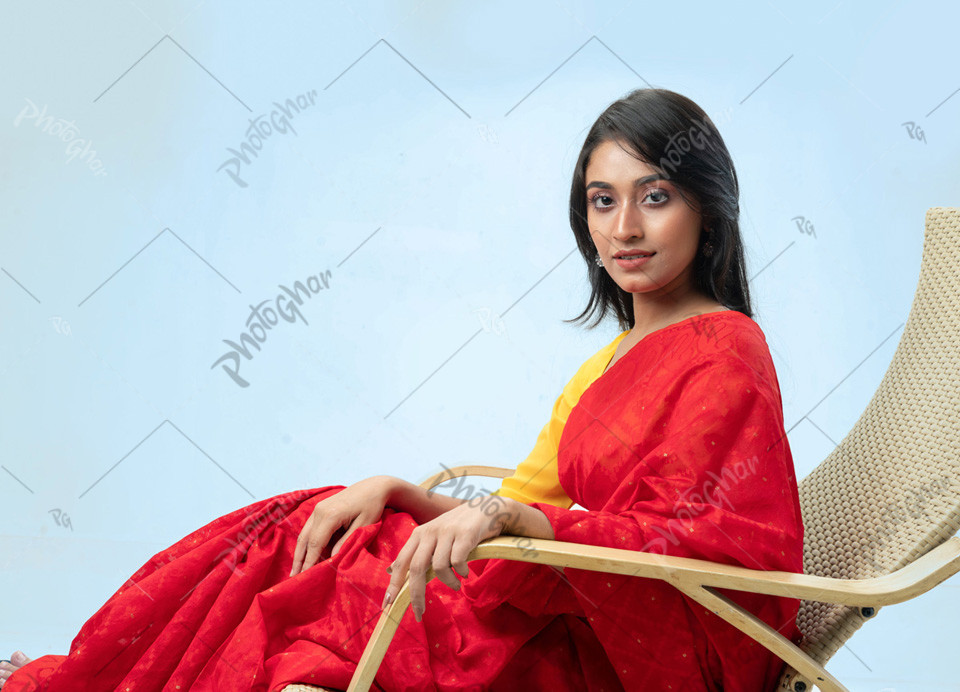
678 448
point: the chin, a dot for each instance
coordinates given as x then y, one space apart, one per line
636 286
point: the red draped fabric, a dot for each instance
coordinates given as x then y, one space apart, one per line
679 448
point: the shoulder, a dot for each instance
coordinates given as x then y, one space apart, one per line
716 336
593 366
733 347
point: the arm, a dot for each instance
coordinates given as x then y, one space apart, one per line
420 503
520 519
358 505
466 523
516 518
536 479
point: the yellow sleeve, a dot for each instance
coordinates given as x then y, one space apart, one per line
537 479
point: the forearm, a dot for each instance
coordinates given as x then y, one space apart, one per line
421 504
515 518
519 519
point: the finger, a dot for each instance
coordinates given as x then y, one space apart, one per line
301 550
419 564
458 556
398 568
350 529
312 540
318 540
441 562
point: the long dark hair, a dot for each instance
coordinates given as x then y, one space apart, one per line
674 136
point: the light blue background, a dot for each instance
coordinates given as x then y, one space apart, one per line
430 178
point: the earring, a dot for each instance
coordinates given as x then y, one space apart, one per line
707 246
599 261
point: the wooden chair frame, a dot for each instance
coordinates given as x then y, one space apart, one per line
698 579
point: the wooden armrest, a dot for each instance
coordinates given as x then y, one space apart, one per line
698 579
466 470
912 580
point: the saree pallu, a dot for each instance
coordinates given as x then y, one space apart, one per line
679 449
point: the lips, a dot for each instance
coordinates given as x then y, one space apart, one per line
632 253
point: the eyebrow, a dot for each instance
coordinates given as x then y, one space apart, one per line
636 183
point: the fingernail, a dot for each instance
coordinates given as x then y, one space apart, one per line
417 613
389 569
386 600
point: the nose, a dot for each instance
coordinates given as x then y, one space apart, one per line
628 222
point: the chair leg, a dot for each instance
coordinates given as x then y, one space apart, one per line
790 653
792 681
380 639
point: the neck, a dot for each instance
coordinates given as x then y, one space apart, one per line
653 312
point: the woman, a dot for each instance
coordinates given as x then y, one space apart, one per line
671 437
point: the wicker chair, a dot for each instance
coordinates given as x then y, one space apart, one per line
880 512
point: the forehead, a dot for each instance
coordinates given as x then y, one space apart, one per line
614 157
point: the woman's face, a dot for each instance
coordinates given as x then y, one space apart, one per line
627 213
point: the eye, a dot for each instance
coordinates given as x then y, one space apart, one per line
597 197
658 191
606 201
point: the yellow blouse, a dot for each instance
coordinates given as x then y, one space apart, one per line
537 478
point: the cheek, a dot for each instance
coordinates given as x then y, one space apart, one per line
683 237
596 227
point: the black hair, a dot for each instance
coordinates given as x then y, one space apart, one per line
674 136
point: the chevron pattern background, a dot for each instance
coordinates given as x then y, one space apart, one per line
246 248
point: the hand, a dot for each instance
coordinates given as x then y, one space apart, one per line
357 505
443 543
